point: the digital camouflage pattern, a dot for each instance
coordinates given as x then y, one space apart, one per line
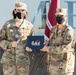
61 51
15 61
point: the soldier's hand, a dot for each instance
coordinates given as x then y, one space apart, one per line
44 49
14 44
28 49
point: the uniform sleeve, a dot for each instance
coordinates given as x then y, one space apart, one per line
4 43
69 37
32 31
3 33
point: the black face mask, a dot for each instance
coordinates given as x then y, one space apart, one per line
20 15
60 19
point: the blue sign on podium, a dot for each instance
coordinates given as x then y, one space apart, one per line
35 42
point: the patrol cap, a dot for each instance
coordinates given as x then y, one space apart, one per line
20 5
61 11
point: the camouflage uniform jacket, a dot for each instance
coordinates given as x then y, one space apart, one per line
61 49
13 32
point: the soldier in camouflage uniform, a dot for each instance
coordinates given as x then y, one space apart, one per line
61 46
13 37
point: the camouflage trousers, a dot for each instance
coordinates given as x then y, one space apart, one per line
11 69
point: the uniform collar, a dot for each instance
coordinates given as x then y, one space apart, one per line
22 25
